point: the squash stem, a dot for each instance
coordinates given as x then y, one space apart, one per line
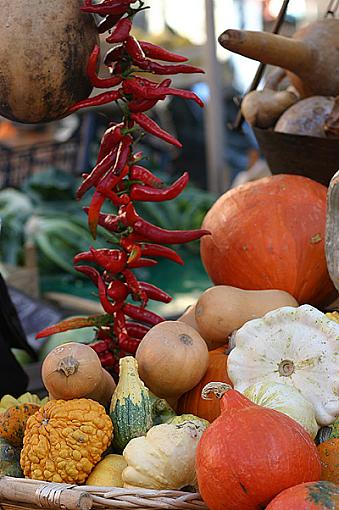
217 388
68 365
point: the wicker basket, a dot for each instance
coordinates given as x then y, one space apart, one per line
18 493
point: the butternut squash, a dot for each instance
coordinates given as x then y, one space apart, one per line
220 310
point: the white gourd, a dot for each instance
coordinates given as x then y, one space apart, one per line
295 346
164 458
285 399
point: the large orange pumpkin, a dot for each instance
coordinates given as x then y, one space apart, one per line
192 403
270 234
307 496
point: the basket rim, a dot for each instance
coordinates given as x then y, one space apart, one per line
48 495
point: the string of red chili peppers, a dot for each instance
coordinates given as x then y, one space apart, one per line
119 178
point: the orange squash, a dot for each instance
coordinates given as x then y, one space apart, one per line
307 496
251 453
329 457
270 234
13 422
192 403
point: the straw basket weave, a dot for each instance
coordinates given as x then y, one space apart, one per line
23 494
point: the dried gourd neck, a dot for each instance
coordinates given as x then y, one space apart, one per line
68 366
286 368
233 401
217 388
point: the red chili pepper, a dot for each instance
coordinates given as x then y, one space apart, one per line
154 51
99 171
156 250
108 23
142 105
152 127
139 173
134 250
105 9
132 283
99 100
99 347
109 182
107 360
117 291
137 313
110 139
121 31
162 70
114 55
68 324
147 194
105 302
155 293
134 49
142 262
110 222
129 344
119 326
113 261
136 330
156 234
89 271
92 65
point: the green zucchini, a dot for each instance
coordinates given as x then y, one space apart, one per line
131 406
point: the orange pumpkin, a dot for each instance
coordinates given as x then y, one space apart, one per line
307 496
270 234
329 457
251 453
13 422
192 403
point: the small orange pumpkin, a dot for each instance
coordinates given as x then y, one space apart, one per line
13 422
192 403
329 457
307 496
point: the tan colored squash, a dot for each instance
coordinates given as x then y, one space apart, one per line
73 370
221 310
172 358
188 317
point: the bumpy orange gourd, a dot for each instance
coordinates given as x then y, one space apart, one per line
192 403
64 440
270 234
251 453
307 496
13 422
329 457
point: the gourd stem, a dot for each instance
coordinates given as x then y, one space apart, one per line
217 388
68 365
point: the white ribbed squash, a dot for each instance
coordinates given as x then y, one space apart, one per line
285 399
164 458
295 346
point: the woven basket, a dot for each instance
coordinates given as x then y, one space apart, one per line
23 494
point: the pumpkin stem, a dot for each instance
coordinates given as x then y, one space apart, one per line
68 365
218 388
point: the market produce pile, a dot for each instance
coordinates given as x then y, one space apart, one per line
306 102
237 399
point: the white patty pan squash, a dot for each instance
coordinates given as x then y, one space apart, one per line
285 399
164 458
295 346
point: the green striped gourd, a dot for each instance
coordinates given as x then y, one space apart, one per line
131 406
